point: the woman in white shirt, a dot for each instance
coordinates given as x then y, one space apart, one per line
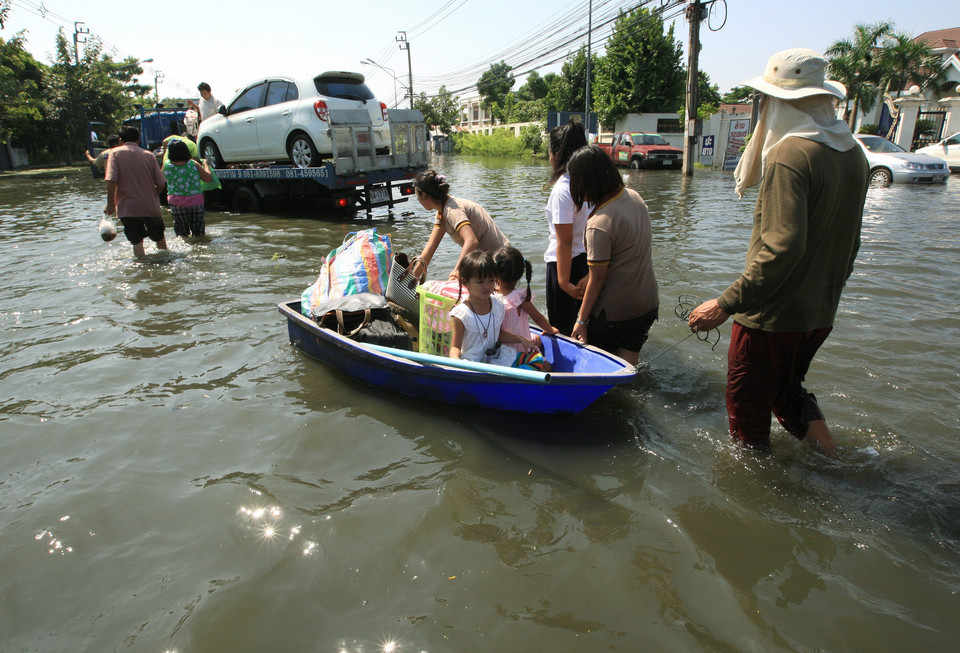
565 255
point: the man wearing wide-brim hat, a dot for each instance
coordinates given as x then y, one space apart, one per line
812 181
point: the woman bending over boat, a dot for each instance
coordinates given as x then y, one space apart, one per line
621 299
467 222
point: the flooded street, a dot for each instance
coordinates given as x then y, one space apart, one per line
175 476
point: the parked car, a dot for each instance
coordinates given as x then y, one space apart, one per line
287 119
948 149
642 150
889 162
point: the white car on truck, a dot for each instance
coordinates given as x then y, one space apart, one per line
287 119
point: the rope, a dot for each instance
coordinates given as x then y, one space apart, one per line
685 306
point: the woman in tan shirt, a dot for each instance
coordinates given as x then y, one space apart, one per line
467 222
621 299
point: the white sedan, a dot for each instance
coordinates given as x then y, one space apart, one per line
948 149
889 162
288 119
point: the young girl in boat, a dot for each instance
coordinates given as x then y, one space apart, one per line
478 332
518 304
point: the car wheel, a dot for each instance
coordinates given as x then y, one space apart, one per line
636 164
245 200
211 153
302 152
881 177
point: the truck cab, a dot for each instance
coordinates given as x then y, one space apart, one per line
643 150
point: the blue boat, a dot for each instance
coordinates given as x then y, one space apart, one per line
581 374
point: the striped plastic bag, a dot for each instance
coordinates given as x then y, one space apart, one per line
360 264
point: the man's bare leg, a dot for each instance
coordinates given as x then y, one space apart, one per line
138 250
819 434
162 243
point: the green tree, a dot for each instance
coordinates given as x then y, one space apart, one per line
535 88
95 88
642 70
708 97
905 62
855 63
22 93
494 86
567 91
878 60
738 95
442 110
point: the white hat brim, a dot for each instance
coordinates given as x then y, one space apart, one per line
829 87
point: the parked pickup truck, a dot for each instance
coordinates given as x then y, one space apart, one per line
641 150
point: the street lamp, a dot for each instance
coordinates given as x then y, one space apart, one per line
389 71
132 65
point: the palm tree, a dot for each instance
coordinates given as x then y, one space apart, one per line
906 62
856 64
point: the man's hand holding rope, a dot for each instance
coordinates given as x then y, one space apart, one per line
707 316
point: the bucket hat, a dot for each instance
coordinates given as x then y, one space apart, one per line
794 74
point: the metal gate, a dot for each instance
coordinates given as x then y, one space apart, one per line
929 128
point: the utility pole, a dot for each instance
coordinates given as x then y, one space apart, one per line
586 111
694 16
77 32
405 45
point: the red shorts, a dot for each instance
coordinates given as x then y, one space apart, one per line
765 373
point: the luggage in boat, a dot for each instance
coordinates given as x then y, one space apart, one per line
364 317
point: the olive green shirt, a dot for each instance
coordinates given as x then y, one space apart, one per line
806 233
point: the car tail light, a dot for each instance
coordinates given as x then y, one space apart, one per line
383 109
406 189
343 202
320 108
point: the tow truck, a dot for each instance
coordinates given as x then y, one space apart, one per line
354 177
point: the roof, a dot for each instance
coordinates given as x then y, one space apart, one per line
941 38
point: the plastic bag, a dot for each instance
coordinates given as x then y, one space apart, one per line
108 231
360 264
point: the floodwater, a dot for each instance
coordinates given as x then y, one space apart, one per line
174 476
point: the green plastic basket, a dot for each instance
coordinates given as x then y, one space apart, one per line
436 325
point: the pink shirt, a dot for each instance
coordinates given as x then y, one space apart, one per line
139 181
516 321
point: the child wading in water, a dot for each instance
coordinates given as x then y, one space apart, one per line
478 322
518 302
183 189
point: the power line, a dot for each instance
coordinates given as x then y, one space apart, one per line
541 60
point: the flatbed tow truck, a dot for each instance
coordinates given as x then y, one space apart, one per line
355 178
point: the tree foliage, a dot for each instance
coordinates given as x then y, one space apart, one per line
642 70
877 60
534 88
738 95
567 91
708 97
494 85
441 110
22 91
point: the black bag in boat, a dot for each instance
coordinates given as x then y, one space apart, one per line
364 317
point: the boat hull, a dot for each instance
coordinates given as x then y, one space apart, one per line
580 375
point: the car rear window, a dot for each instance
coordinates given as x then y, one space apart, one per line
343 88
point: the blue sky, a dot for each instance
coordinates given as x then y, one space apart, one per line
230 43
